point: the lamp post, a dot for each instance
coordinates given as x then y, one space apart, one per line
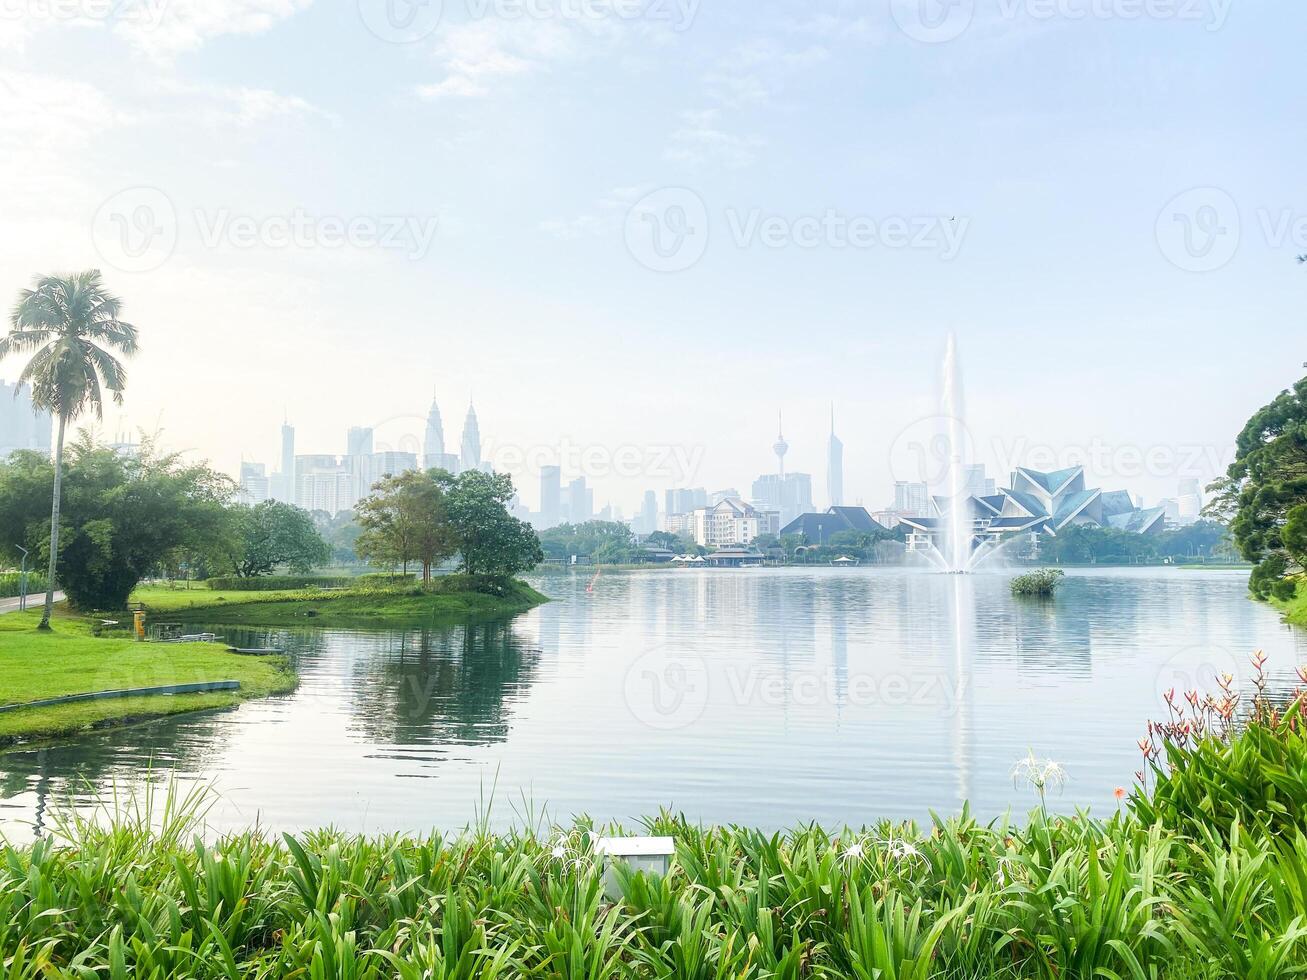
22 582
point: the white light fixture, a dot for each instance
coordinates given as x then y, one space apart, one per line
652 855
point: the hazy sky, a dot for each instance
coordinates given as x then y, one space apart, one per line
637 230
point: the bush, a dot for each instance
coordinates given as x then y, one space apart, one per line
273 583
10 584
1043 582
1211 767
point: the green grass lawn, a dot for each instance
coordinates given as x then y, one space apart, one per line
72 660
1295 609
444 602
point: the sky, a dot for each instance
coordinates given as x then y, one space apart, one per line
632 232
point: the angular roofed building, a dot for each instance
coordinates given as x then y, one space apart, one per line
1038 503
818 528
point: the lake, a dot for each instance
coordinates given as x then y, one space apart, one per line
760 696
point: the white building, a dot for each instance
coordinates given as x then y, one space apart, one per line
255 485
730 522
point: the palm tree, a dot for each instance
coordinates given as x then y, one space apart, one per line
66 323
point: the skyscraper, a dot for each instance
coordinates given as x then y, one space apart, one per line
835 465
551 480
649 513
254 483
471 441
21 425
358 461
287 483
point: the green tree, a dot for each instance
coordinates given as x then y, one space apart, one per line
69 324
609 542
121 518
490 541
266 536
1263 489
406 519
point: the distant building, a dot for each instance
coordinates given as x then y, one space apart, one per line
434 456
551 494
683 501
578 502
730 522
1037 503
735 557
326 489
255 485
392 463
358 461
284 486
647 522
679 524
1190 501
789 494
834 465
817 529
717 496
911 499
22 426
471 456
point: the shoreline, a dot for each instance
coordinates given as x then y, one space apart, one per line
448 602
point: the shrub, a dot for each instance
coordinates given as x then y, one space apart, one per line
1212 765
273 583
10 584
1043 582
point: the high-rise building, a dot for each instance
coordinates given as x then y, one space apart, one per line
551 480
788 494
358 462
392 464
780 447
285 487
471 458
254 485
22 426
911 499
648 519
683 501
834 466
717 496
1190 500
579 502
434 456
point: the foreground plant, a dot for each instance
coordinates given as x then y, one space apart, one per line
145 895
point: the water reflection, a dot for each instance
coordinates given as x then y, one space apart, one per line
839 695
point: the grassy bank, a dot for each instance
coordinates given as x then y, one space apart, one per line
1295 609
1054 898
447 600
72 660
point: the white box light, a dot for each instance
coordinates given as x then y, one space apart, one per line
652 855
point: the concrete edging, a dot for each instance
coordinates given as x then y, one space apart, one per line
201 688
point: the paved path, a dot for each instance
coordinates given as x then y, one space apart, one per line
33 602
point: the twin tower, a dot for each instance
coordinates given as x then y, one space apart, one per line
434 455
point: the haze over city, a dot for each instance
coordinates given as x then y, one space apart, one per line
1049 251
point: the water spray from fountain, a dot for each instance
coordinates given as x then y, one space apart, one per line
958 524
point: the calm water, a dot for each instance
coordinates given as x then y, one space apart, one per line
760 696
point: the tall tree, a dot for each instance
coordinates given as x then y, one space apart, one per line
69 324
405 519
1264 491
491 542
262 537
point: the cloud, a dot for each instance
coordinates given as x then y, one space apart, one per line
39 112
700 140
162 29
